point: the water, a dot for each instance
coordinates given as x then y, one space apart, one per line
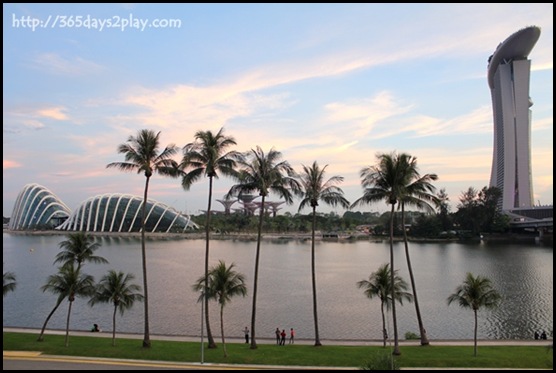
521 272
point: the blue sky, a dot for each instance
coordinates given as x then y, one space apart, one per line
332 83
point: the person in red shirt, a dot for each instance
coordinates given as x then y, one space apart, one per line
292 335
283 335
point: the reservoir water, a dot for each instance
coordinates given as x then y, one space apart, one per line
521 272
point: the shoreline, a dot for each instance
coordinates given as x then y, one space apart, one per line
299 236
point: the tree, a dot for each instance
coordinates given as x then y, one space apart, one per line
419 192
224 284
77 249
475 293
386 181
264 173
142 155
315 188
69 283
207 156
379 285
444 209
116 288
8 282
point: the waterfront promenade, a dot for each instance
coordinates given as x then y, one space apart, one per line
36 358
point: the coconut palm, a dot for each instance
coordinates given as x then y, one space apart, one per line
420 193
224 283
264 173
77 249
143 156
315 188
69 283
475 293
8 282
116 288
379 285
208 156
386 181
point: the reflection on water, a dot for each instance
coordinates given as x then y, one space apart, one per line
522 273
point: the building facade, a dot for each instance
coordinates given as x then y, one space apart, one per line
37 208
508 78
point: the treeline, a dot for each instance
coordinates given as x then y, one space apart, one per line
476 213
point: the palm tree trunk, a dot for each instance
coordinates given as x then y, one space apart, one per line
384 332
211 343
222 329
392 282
41 336
475 335
68 324
256 277
114 326
422 331
146 336
314 279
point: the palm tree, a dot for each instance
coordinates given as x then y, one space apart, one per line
9 283
207 156
475 293
379 285
70 283
419 192
315 188
116 288
264 173
142 155
386 181
77 249
224 284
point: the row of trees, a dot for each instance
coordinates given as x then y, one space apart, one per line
474 293
395 179
70 282
474 216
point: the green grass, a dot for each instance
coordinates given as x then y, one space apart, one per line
521 357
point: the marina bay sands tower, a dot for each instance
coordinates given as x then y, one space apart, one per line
508 78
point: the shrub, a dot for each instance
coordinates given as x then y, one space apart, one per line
382 360
411 335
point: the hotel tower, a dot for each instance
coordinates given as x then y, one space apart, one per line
508 78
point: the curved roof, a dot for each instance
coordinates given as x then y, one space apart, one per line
37 207
517 46
116 212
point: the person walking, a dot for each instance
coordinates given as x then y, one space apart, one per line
292 335
277 336
283 337
246 332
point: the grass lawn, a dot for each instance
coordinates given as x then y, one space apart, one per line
520 357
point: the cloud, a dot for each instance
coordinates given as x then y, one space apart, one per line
53 113
53 63
32 116
7 164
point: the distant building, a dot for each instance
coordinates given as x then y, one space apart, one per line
116 212
508 79
37 208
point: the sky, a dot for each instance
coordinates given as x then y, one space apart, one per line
332 83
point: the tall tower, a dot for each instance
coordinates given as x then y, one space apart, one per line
508 79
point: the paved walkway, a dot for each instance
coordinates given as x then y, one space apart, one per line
330 342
